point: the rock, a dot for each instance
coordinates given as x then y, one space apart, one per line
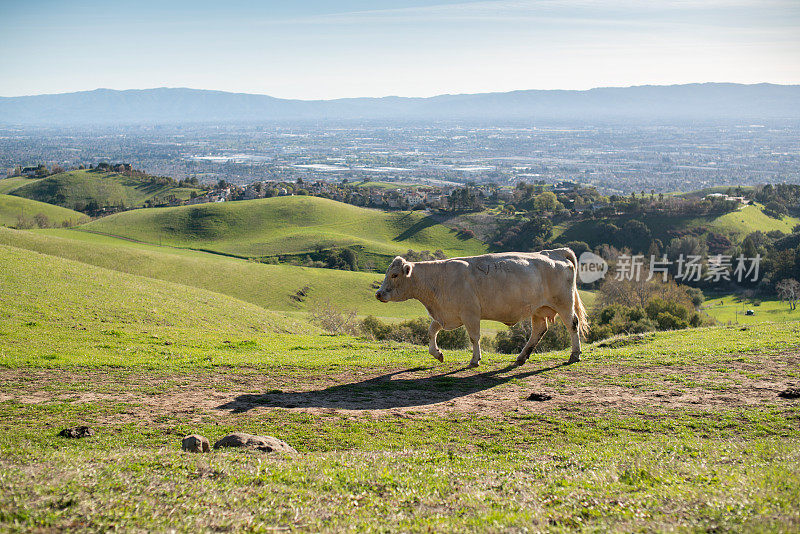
77 432
260 443
539 397
195 443
791 393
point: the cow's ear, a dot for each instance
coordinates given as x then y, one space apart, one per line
407 269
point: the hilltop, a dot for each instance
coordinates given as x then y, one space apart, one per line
689 102
293 225
93 190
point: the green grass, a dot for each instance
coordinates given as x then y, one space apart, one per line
732 308
268 286
651 435
13 209
286 225
750 219
75 189
10 184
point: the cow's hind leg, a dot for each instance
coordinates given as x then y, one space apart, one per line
538 328
433 348
474 331
570 320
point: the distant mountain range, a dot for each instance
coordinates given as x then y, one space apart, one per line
648 103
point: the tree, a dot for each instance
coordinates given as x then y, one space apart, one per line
546 201
634 235
775 209
789 290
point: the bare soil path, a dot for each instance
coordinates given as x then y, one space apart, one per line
415 392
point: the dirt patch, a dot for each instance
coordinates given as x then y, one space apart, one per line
625 389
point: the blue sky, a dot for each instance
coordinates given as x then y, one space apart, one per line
316 49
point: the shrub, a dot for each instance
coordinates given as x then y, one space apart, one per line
696 294
598 332
334 320
374 328
42 220
512 341
453 339
667 321
658 306
414 331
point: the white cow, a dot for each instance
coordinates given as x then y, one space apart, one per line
506 287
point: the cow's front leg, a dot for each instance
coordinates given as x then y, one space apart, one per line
433 331
474 331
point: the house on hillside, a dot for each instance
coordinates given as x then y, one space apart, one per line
413 198
722 196
565 187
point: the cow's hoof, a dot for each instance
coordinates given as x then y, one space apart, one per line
574 358
439 356
520 362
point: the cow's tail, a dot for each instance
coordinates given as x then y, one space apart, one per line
578 307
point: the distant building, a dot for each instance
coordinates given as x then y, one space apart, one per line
722 196
565 187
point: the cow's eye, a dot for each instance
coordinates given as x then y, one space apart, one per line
394 276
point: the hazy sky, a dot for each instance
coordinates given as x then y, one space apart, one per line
330 49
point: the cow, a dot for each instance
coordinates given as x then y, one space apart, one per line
506 287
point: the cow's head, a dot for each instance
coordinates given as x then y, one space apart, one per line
396 285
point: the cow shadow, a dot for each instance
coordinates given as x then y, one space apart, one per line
385 391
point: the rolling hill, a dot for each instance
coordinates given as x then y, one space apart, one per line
58 308
78 189
690 102
18 211
7 185
273 287
286 226
735 225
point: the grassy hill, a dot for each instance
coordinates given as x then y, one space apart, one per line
269 286
15 182
736 225
77 189
14 210
54 306
286 225
273 287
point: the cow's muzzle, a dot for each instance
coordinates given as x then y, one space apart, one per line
379 295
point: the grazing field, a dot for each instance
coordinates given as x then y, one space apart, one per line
286 226
750 219
671 431
732 308
273 287
77 189
16 210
